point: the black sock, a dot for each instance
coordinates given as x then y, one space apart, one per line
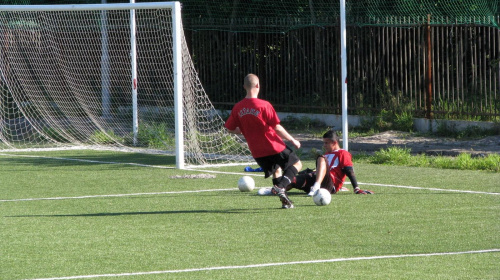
288 176
276 181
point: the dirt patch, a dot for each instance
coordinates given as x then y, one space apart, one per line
416 144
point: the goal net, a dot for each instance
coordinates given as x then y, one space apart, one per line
104 76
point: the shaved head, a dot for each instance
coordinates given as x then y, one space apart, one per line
251 81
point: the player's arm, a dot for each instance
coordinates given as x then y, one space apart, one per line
232 126
349 171
234 131
281 131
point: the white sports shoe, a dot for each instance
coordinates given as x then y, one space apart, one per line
264 191
344 189
313 191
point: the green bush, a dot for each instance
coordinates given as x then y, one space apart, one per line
491 162
403 122
442 162
419 161
389 120
402 156
464 161
156 135
392 155
104 138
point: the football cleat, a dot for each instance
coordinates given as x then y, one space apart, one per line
286 203
286 206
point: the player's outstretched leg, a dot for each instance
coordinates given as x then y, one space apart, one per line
265 191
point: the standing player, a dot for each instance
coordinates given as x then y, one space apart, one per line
257 120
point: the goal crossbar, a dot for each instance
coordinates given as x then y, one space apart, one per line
88 7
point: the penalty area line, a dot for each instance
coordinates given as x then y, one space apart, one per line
270 264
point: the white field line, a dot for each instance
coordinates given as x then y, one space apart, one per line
430 189
270 264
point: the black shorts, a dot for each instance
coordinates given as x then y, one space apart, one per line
283 160
305 180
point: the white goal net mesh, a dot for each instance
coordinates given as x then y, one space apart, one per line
66 81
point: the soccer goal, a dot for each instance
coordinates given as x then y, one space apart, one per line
101 76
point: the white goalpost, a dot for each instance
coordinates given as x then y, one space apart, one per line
106 76
343 78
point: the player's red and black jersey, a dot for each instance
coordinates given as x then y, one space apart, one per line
336 161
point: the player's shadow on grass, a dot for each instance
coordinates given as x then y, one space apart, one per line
228 211
111 160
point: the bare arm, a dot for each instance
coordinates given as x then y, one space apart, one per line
234 131
281 131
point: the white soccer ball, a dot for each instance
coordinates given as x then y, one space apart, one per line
246 184
322 197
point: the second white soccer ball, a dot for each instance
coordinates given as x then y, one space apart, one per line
322 197
246 184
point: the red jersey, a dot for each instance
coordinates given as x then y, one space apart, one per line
336 161
256 119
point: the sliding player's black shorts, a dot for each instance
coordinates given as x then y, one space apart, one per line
306 178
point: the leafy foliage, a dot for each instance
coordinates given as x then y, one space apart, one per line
389 120
156 135
108 137
402 156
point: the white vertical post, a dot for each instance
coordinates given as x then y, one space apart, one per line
178 87
133 59
343 55
105 82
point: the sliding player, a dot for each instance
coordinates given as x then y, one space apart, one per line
331 170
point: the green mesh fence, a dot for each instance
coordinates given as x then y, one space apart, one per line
379 12
264 15
284 15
